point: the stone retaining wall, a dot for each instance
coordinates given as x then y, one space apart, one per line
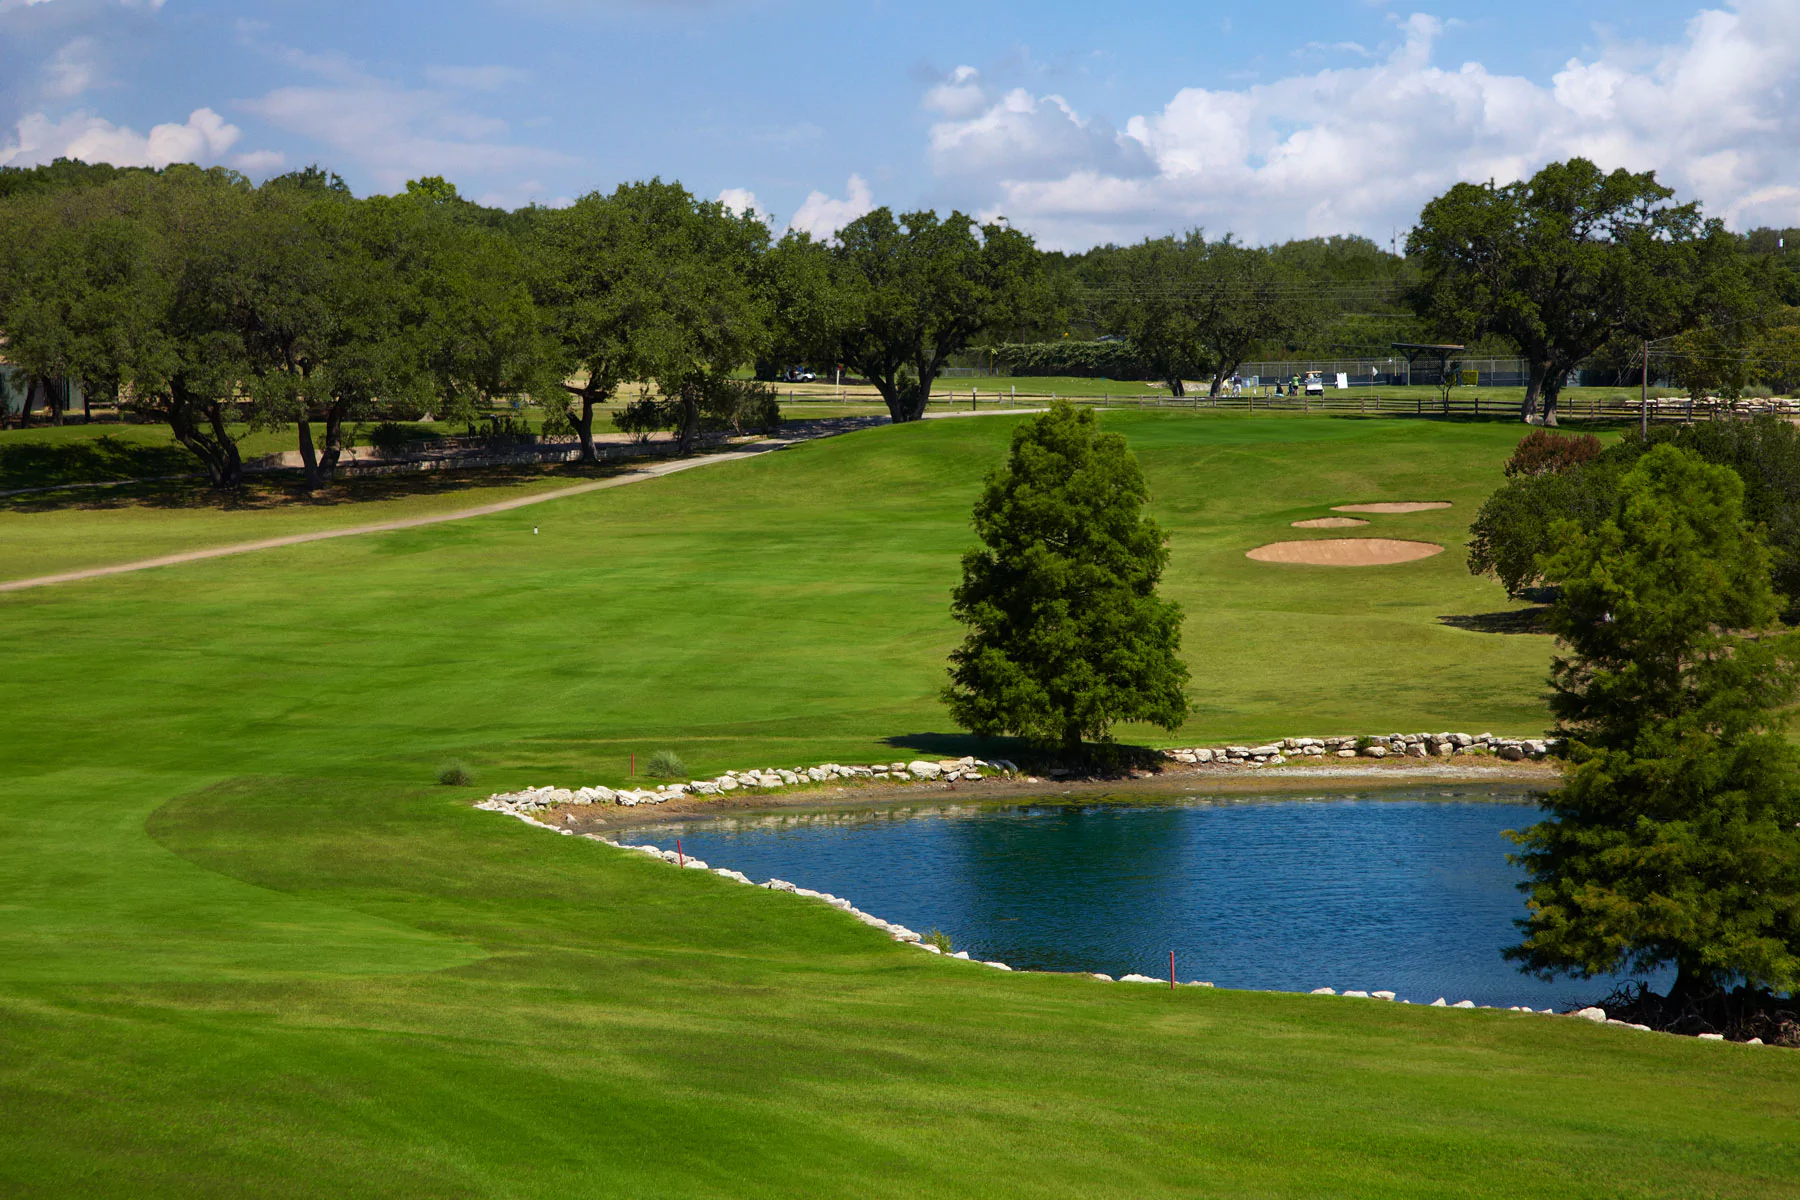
1407 745
765 779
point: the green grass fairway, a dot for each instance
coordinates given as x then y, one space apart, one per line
247 948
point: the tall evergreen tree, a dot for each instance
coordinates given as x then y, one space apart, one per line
1675 838
1066 633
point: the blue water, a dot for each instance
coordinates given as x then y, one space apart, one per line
1409 892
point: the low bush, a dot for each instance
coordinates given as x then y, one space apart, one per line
1084 360
938 938
1546 452
665 764
455 774
391 437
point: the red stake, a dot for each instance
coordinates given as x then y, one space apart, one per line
682 860
1171 969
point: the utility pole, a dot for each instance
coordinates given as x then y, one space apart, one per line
1644 396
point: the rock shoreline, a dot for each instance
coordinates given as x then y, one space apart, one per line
972 769
766 779
1405 745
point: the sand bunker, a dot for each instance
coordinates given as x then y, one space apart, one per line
1395 506
1345 552
1327 523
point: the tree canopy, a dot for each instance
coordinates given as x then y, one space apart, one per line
906 293
217 307
650 283
1067 635
1675 838
1196 308
1568 260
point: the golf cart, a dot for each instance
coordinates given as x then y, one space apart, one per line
1315 384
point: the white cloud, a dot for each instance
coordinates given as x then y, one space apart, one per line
959 95
203 138
739 201
398 133
1717 115
74 69
1022 135
822 216
260 162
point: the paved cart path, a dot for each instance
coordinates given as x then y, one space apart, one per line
633 476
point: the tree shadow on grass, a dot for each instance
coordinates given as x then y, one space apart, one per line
97 460
283 490
1517 620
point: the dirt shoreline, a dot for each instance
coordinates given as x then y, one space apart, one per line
1175 783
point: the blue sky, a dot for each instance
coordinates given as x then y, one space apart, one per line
1079 122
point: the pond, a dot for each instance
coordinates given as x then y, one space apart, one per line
1405 891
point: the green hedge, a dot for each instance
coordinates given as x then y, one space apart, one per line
1087 360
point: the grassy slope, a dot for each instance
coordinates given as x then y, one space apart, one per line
68 530
243 951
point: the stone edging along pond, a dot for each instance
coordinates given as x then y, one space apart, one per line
952 770
523 804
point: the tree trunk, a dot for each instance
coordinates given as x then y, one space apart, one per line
31 387
1691 983
1176 387
56 400
918 397
1218 380
1534 386
308 459
334 440
1552 388
211 444
584 426
1071 745
690 419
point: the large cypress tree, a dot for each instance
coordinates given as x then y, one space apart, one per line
1066 633
1675 838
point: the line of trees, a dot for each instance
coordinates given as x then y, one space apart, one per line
216 306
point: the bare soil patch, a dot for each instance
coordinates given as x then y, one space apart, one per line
1393 506
1328 523
1345 552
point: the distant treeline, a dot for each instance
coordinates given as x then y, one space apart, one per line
198 298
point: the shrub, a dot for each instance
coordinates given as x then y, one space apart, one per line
1546 452
665 764
1518 522
390 437
938 938
643 417
455 774
1086 360
501 429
